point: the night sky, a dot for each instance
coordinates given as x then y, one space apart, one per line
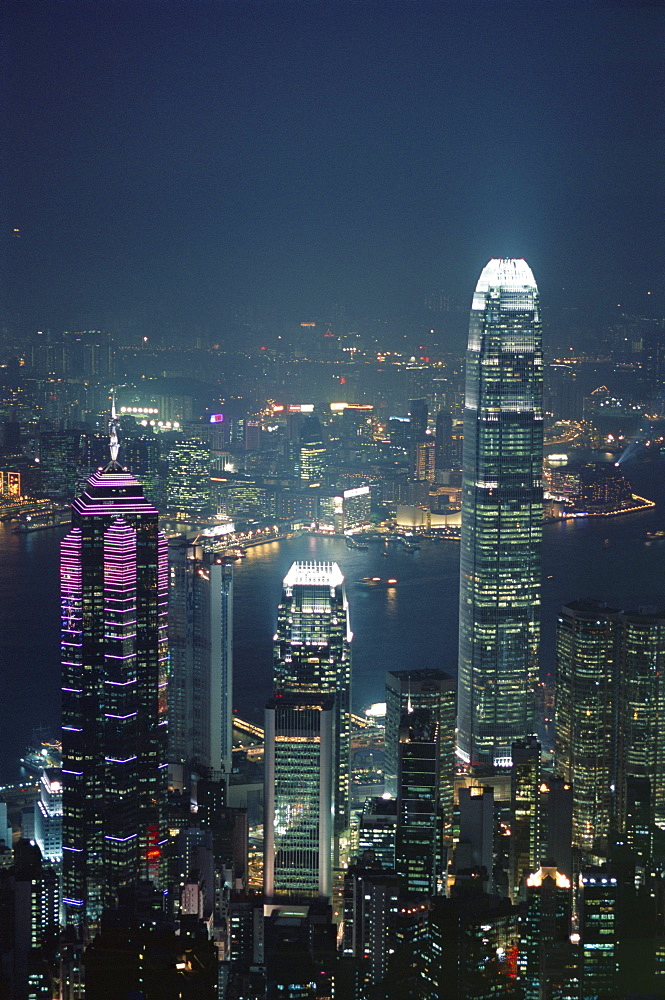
175 162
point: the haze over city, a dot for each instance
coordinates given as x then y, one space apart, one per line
332 506
168 167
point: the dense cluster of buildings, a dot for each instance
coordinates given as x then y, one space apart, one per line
482 865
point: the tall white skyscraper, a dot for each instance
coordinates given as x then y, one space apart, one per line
499 623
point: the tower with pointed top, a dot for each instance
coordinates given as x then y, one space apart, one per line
499 622
114 598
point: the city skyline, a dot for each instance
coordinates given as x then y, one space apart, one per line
252 230
453 872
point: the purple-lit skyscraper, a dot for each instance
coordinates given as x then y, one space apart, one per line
114 587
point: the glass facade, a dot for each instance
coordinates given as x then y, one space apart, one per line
525 805
419 822
642 706
501 516
201 657
298 796
407 690
584 741
188 490
114 594
312 452
610 713
598 932
312 655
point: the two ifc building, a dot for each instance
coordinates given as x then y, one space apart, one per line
500 560
114 598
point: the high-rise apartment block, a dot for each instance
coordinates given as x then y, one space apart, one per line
114 590
501 516
424 460
201 657
371 903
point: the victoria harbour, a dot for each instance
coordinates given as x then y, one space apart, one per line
411 624
332 501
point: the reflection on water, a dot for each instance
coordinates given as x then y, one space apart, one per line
411 625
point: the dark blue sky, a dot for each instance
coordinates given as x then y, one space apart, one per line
169 162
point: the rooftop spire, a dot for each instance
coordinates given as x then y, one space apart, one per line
114 443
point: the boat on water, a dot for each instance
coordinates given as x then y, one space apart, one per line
654 535
46 753
351 543
52 517
378 581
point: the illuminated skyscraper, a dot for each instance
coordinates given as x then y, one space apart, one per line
525 799
641 709
313 656
312 452
610 725
188 491
501 516
406 691
597 902
424 460
299 755
114 573
585 711
419 820
547 960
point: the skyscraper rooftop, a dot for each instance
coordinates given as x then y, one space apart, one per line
504 272
315 574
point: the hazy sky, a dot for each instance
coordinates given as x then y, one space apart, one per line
180 159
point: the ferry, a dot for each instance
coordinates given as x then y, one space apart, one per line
351 543
52 517
377 581
48 753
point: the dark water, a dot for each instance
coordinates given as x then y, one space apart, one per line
412 625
